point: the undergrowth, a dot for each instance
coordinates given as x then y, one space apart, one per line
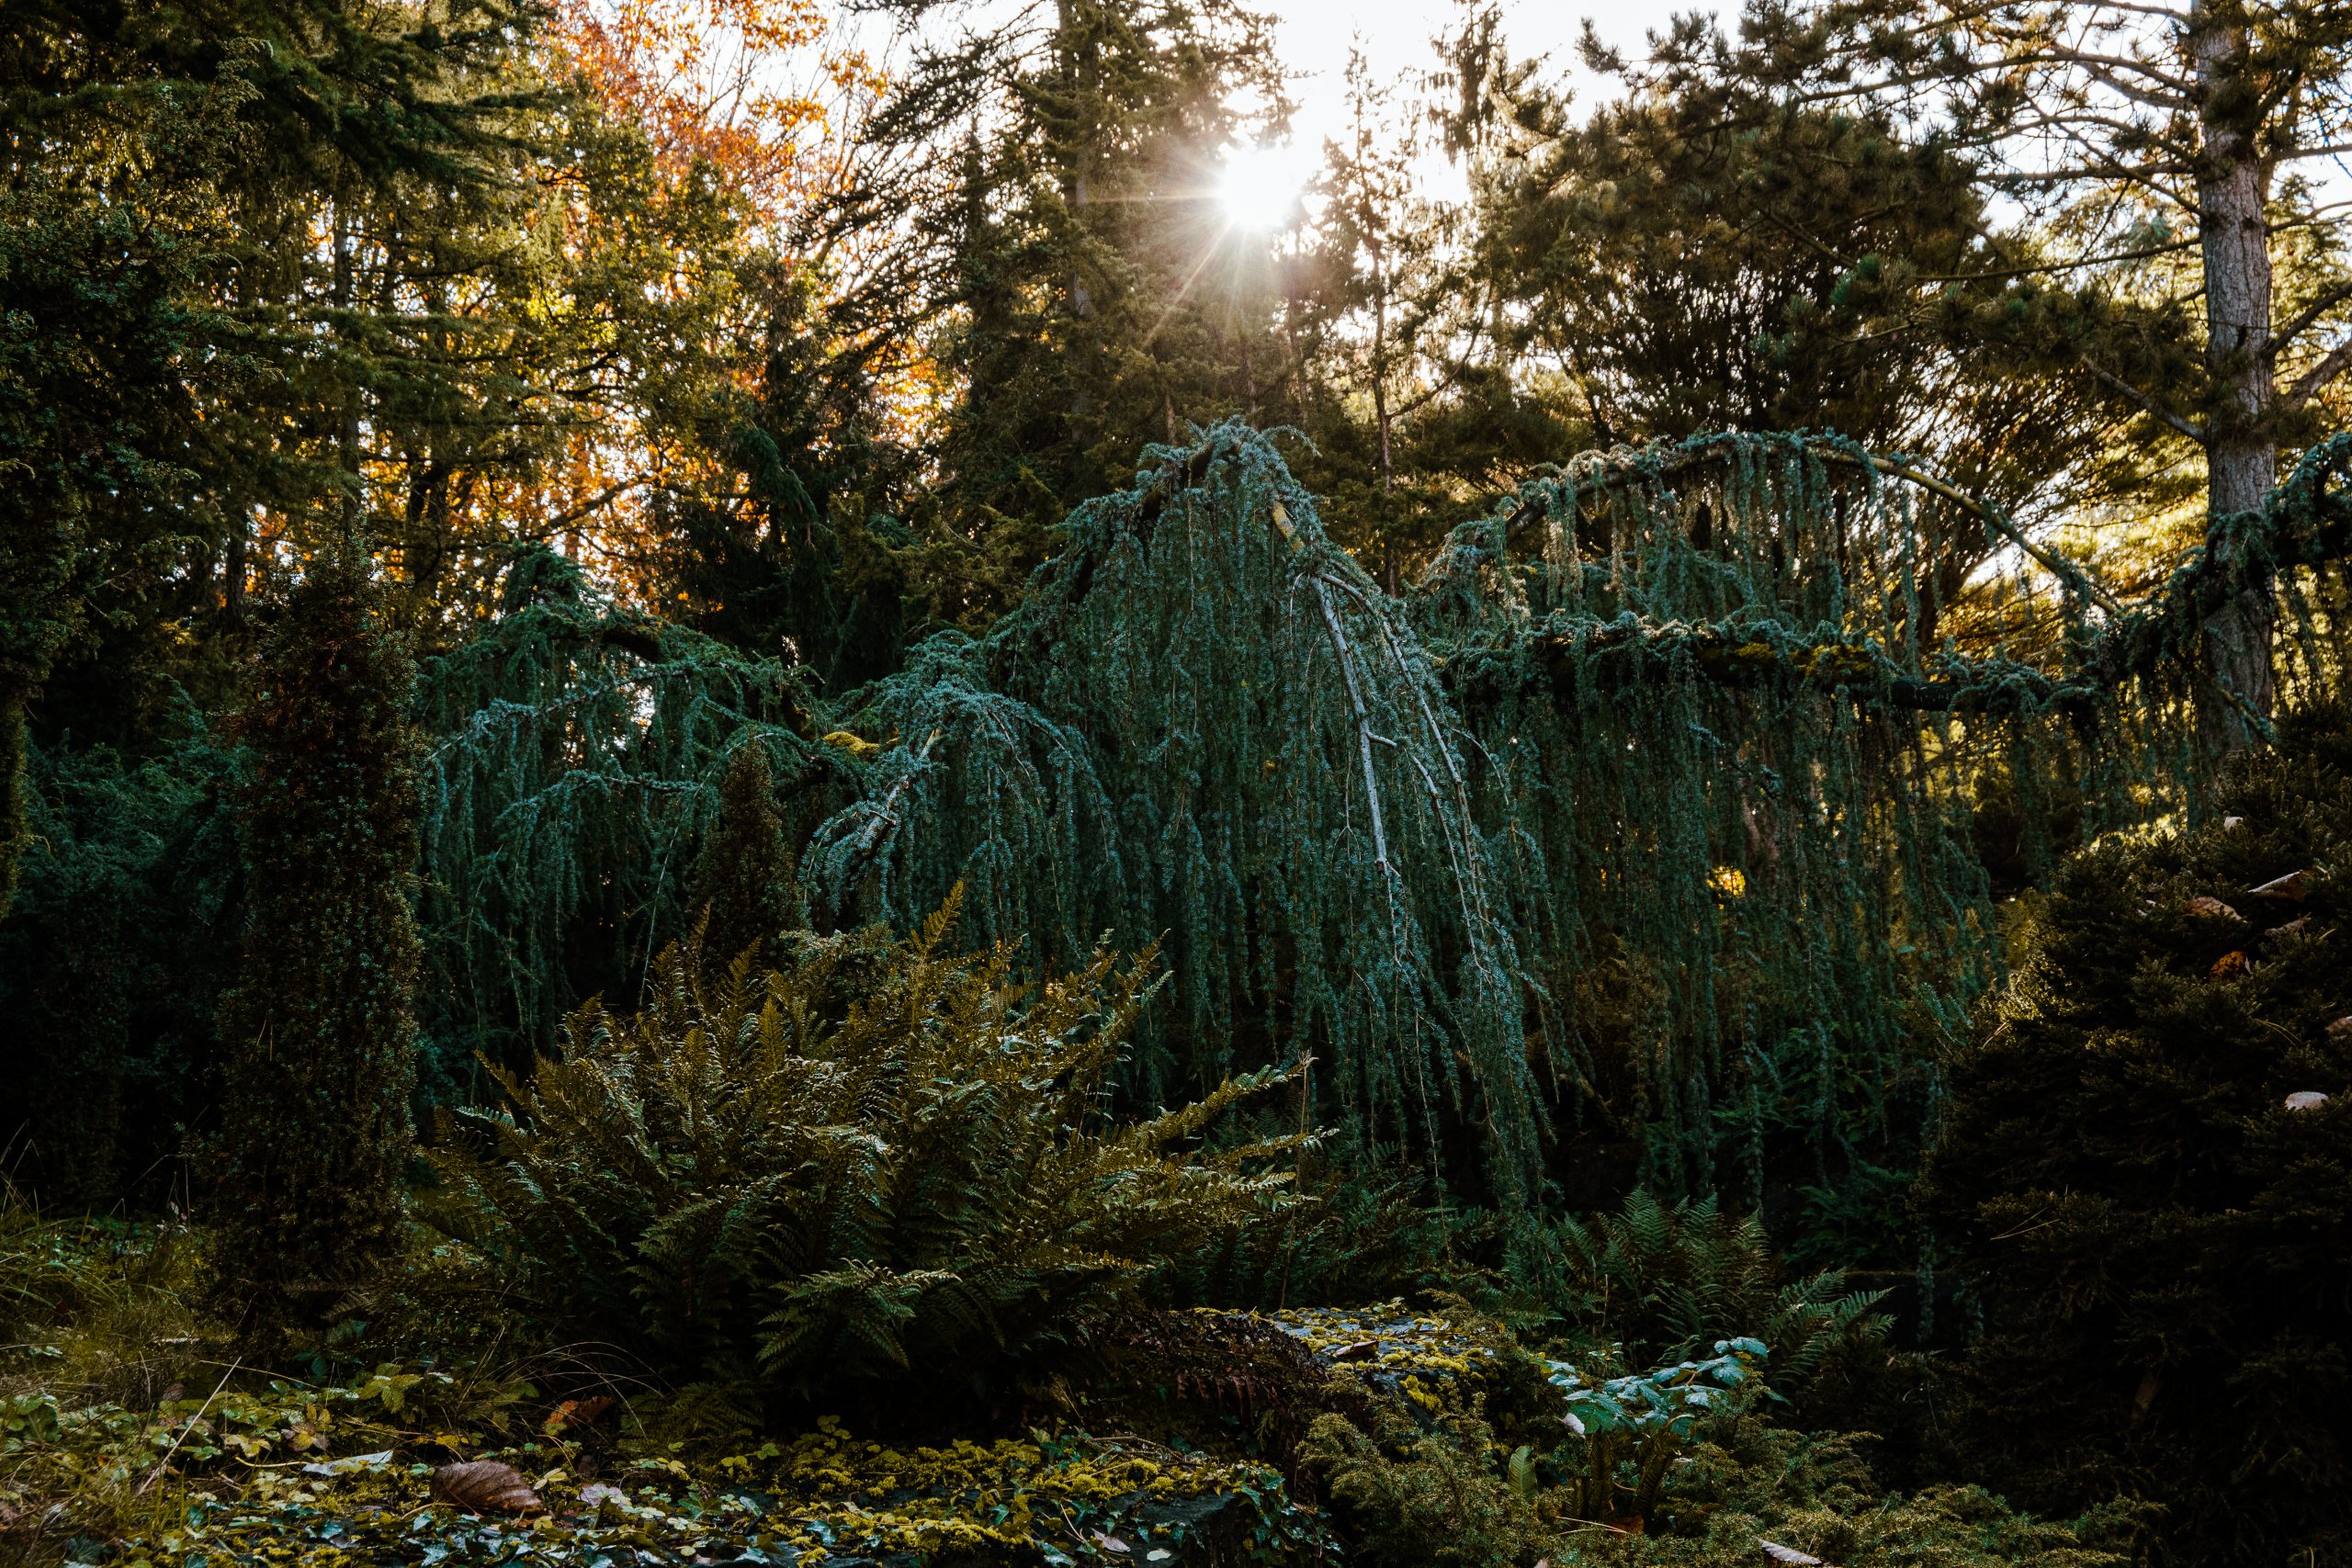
783 1187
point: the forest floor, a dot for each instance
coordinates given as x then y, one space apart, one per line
135 1439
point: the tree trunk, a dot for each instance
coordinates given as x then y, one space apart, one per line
232 570
347 430
2242 446
13 700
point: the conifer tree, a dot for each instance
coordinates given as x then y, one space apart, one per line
744 877
1784 274
1084 286
319 1034
2143 1178
2186 263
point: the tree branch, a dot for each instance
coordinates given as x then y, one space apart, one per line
2155 411
2329 368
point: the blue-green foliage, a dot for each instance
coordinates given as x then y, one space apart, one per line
1208 721
577 752
1651 812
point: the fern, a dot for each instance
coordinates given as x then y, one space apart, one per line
1667 1280
789 1182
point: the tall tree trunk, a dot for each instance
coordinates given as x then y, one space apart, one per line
234 568
2242 446
1381 416
347 431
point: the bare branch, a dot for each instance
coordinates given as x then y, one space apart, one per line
2328 301
2149 405
2330 367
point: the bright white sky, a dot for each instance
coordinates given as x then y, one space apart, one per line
1315 37
1395 35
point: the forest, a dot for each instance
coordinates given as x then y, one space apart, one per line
872 784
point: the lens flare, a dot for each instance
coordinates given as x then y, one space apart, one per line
1260 187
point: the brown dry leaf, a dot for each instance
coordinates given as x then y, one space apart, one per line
2289 888
2341 1030
576 1413
2230 965
2207 907
486 1486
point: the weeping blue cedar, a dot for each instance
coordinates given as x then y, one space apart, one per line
1208 721
577 756
1651 807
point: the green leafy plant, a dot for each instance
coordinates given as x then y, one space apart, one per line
762 1181
1675 1466
1664 1281
1633 1427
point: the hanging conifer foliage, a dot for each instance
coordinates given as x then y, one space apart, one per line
1654 803
317 1036
577 767
1206 720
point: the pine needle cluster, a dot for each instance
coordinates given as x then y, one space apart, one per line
792 1184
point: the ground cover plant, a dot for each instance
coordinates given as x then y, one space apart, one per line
797 1182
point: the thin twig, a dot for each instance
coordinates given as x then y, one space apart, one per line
187 1426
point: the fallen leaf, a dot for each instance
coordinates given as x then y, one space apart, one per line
2229 964
1361 1350
1788 1554
2341 1030
348 1465
2289 888
486 1486
2206 907
2306 1099
576 1413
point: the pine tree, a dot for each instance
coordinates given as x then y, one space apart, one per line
2185 264
2145 1174
1700 255
744 877
319 1034
1085 289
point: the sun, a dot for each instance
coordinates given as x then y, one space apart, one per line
1260 187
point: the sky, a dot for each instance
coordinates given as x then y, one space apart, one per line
1315 37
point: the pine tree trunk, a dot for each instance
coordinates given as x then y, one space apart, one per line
13 700
2242 446
234 568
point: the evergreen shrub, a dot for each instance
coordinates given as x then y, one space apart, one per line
845 1172
2155 1239
112 964
744 876
319 1034
1666 1479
